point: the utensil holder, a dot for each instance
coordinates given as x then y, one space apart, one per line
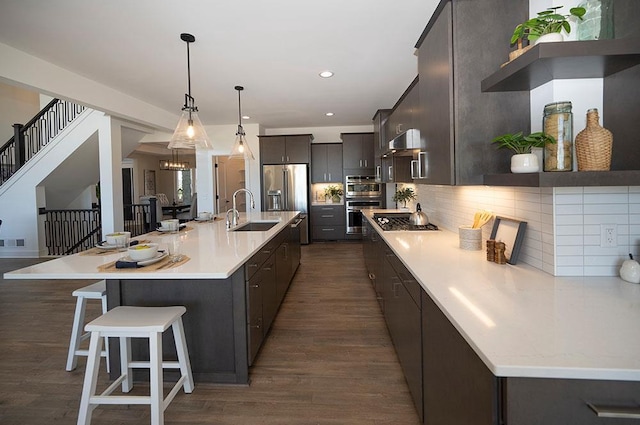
470 238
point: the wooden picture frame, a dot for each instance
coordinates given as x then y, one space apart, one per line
511 232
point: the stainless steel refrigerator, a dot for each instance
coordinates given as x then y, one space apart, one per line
286 188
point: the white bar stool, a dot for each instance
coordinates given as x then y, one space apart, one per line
96 291
136 322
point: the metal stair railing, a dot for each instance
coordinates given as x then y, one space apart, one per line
30 138
75 230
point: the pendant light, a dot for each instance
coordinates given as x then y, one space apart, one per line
190 133
241 148
174 164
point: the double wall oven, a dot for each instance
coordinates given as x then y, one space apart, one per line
362 192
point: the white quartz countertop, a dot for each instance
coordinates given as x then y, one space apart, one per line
214 253
523 322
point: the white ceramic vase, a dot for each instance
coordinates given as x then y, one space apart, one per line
550 38
524 163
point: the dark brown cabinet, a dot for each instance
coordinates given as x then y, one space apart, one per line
456 127
289 149
380 141
326 163
406 112
269 274
328 222
357 153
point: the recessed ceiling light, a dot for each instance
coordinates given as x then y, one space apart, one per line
326 74
329 114
245 117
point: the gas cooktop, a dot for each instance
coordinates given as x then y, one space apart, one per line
399 221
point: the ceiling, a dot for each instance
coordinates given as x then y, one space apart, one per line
275 49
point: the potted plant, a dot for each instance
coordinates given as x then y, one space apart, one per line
403 195
547 26
523 161
333 193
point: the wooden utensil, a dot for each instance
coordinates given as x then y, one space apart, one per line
484 217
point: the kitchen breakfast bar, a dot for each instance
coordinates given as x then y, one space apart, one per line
231 285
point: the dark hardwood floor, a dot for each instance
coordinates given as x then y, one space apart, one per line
327 361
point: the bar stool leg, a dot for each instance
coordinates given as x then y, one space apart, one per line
157 399
125 361
76 333
90 379
183 358
106 339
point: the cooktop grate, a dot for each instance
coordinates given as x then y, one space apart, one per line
400 222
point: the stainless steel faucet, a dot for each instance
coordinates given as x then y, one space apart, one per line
234 210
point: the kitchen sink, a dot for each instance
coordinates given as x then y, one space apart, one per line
255 226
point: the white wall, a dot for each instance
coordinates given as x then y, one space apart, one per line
16 106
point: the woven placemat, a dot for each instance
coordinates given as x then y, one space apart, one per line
156 233
165 264
99 251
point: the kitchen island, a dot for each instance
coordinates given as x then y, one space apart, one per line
232 286
512 344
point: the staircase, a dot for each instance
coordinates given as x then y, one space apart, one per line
30 138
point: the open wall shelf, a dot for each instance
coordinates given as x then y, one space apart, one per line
564 60
566 179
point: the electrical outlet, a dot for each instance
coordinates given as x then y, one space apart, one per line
608 235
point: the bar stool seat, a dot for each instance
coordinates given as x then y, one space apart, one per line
127 322
95 291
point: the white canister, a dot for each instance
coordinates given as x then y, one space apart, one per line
470 238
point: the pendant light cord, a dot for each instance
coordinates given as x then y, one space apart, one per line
240 129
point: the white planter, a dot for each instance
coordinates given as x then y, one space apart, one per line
524 163
550 38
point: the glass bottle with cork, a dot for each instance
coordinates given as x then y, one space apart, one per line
558 123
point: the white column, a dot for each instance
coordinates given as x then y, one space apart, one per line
110 153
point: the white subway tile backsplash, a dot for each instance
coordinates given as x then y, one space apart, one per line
601 270
569 240
606 219
563 230
569 260
606 209
569 209
569 199
606 198
569 230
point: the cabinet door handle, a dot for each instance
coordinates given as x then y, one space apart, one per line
366 163
267 251
378 172
324 177
360 164
255 285
328 230
287 158
390 172
327 208
282 158
327 216
415 169
372 276
620 412
252 265
329 177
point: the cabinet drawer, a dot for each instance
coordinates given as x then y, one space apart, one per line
565 401
410 283
331 216
253 264
329 232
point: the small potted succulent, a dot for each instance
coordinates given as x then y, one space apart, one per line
333 193
523 161
403 195
546 26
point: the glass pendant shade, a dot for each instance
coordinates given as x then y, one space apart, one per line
190 133
241 149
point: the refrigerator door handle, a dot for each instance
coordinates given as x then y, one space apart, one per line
285 178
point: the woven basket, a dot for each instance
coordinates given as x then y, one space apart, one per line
593 145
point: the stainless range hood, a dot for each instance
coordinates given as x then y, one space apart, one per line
408 140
